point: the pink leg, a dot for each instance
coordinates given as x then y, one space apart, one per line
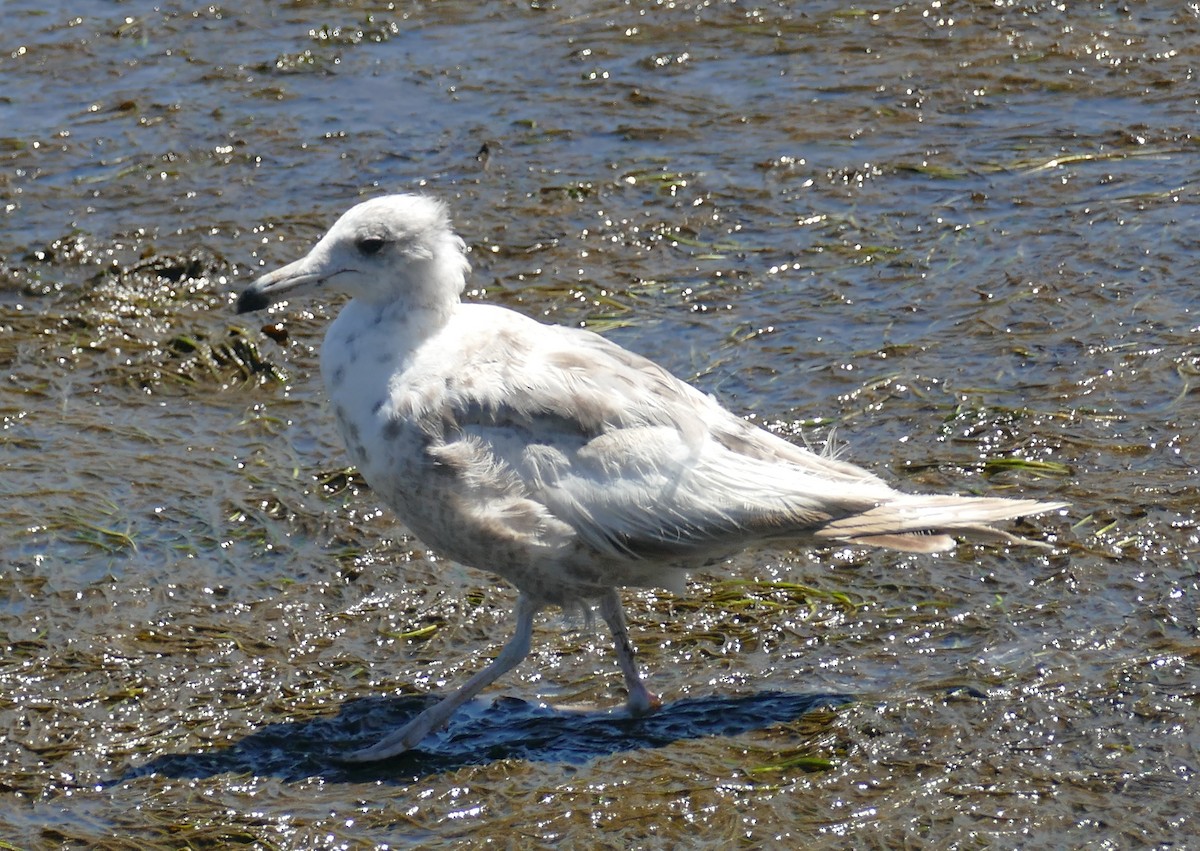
641 700
437 715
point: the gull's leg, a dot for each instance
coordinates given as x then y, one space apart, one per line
641 700
435 716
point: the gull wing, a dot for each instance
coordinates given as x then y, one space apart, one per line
638 463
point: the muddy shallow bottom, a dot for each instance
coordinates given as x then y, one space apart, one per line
962 246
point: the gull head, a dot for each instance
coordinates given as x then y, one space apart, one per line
397 249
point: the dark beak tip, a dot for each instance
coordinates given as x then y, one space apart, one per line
251 300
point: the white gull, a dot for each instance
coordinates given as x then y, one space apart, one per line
554 457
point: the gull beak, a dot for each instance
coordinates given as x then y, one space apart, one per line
275 286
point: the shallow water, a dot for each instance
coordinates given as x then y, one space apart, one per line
961 238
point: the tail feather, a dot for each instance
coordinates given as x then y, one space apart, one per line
929 524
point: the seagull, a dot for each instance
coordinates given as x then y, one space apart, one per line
553 457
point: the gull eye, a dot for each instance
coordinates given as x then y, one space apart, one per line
369 245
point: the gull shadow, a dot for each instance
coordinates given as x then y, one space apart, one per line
480 732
